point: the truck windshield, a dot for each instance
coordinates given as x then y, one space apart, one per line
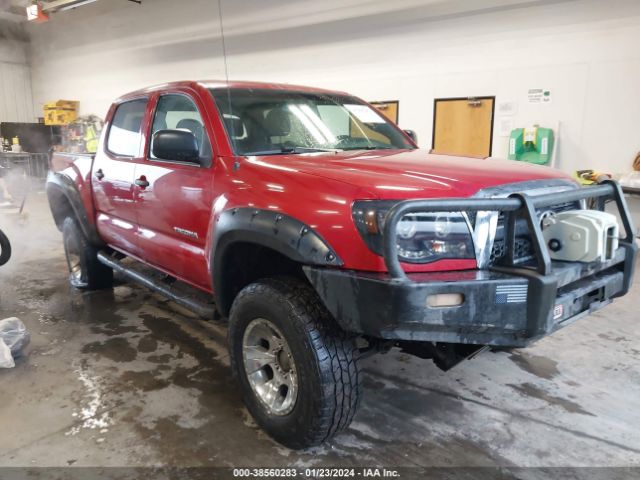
272 122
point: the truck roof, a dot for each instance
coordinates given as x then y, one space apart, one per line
219 84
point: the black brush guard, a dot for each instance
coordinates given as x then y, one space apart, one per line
518 205
394 306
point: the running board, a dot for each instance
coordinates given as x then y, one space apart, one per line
202 309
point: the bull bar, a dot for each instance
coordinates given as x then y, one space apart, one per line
515 206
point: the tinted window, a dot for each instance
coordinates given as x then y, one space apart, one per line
179 112
124 134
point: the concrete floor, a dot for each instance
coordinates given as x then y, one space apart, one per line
123 378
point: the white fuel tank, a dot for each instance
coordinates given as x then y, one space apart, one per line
581 235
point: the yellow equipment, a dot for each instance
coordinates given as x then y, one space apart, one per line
589 177
61 112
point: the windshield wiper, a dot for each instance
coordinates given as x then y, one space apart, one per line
370 147
308 149
292 150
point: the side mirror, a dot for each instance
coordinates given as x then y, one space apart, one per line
412 135
177 145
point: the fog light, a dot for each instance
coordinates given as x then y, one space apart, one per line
445 300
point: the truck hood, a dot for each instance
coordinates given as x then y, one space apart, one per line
403 174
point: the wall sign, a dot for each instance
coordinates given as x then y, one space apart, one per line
505 125
506 108
539 95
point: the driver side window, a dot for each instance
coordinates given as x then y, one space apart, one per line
179 112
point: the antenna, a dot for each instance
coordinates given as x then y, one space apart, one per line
226 75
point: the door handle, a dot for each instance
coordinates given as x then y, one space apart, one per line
99 174
142 182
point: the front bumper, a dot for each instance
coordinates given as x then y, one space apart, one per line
493 312
507 305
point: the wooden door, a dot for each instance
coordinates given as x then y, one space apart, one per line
463 126
389 109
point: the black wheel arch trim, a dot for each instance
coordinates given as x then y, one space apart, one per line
277 231
60 185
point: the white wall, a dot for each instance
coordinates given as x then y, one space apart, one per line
584 51
16 103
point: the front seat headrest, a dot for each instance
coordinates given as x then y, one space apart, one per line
278 123
234 125
194 126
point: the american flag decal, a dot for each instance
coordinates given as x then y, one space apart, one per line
511 294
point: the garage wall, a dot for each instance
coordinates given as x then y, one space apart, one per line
16 103
585 52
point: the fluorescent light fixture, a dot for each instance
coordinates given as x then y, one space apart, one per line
62 5
78 4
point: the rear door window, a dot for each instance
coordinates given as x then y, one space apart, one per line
125 132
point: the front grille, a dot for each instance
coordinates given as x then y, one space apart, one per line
523 250
523 246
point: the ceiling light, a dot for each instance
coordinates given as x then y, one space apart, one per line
75 5
35 14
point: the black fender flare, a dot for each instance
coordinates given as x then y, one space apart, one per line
277 231
60 186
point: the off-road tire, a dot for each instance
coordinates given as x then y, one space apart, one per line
5 248
93 275
325 359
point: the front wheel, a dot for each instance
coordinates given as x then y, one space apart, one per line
85 271
297 369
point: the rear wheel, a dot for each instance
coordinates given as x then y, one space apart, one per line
5 248
85 271
297 369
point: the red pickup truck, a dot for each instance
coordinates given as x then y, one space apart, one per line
324 234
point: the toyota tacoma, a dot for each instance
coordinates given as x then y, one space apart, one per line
323 234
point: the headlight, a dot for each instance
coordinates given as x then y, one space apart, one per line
421 237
